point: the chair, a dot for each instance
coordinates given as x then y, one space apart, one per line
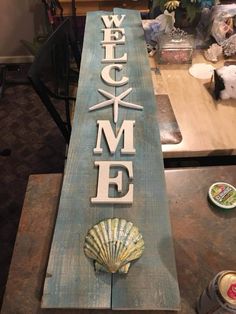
54 11
51 8
50 75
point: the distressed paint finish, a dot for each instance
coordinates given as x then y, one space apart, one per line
151 282
72 282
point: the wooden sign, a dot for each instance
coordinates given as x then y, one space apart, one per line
114 169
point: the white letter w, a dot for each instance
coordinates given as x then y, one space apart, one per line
108 20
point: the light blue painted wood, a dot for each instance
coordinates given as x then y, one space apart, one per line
151 282
71 281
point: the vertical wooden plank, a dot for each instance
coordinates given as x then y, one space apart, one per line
152 281
71 281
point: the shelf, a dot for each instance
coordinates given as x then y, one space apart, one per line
82 7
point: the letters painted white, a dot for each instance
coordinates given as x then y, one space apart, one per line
127 127
113 20
113 35
106 75
110 50
105 181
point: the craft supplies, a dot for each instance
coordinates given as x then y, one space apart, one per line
176 48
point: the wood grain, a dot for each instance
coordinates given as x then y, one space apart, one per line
150 284
71 281
27 272
207 126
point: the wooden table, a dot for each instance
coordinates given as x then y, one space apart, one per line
208 127
204 238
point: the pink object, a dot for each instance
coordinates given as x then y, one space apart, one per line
232 291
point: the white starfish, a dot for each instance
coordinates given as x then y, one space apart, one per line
116 101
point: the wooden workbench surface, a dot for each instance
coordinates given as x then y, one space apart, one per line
208 127
204 238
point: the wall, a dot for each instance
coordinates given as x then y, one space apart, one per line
19 19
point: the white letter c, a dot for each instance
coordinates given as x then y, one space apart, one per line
105 74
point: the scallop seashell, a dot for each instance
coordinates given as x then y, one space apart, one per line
113 244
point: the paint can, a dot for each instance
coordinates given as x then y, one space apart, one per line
220 295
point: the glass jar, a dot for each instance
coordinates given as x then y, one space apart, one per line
175 50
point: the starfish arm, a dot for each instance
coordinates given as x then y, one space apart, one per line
116 105
105 93
125 93
130 105
102 104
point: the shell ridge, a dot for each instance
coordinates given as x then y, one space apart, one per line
118 242
125 228
114 238
104 239
134 253
121 233
91 252
109 231
133 236
126 238
97 234
97 238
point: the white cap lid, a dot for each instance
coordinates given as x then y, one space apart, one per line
223 195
